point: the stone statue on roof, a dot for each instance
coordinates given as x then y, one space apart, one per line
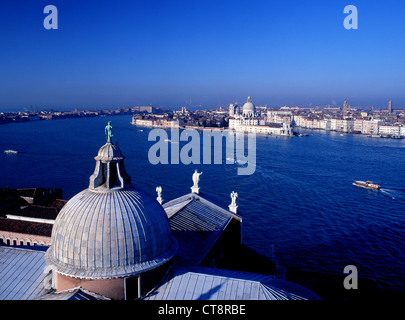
159 193
196 178
234 195
108 131
233 207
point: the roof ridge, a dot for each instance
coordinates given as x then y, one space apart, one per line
228 273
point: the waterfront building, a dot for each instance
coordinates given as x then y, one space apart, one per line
279 116
143 122
358 126
277 122
300 121
324 124
402 131
316 123
333 124
370 127
278 129
248 117
347 120
344 125
234 122
305 122
389 130
387 126
155 122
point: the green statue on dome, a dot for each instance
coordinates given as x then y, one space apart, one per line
108 131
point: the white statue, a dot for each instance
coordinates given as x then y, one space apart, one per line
196 178
159 193
234 195
233 207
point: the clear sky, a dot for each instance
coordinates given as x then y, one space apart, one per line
211 53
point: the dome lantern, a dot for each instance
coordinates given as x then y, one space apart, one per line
110 170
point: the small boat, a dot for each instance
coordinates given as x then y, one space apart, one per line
10 152
366 184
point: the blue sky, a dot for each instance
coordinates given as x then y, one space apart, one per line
211 53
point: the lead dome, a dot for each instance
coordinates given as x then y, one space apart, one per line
111 229
249 108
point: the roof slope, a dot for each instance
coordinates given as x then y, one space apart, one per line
22 273
73 294
26 227
196 223
201 283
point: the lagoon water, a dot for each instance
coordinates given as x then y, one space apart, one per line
300 200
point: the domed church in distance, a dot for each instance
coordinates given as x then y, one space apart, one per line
249 120
114 241
249 109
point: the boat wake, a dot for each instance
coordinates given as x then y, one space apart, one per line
393 194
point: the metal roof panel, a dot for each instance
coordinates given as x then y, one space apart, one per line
21 273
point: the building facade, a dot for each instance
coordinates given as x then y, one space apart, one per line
277 122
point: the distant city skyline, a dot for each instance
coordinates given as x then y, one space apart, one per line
208 53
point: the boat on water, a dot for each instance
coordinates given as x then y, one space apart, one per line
10 152
366 184
168 140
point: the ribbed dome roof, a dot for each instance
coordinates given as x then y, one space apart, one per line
109 152
248 107
111 229
107 234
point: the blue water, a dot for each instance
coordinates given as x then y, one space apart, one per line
300 199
